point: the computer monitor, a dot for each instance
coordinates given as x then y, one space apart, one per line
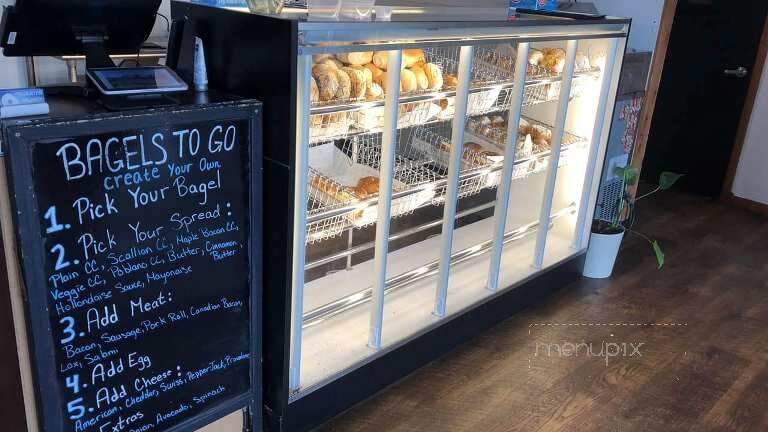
94 28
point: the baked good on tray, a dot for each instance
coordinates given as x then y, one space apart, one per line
369 184
328 84
554 60
357 81
333 189
421 77
314 91
345 85
355 58
362 75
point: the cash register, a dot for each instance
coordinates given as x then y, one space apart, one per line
96 30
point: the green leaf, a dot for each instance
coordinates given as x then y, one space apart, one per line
659 254
628 174
668 179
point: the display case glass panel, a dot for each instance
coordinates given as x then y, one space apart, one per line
403 227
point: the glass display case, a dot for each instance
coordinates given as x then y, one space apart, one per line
421 170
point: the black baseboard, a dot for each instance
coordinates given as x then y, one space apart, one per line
323 404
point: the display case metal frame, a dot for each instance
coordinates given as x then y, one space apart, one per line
450 213
238 46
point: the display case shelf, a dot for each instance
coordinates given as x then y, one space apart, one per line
336 204
533 81
339 120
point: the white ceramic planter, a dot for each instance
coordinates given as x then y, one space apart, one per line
601 255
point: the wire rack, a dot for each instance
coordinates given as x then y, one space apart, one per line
328 127
431 145
337 179
408 115
336 203
491 76
495 131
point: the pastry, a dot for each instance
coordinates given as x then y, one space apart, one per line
534 133
408 81
582 62
317 58
360 192
357 81
498 121
473 147
381 60
541 132
321 68
597 60
374 91
314 92
535 57
328 85
345 85
375 71
412 57
447 108
541 144
554 60
525 127
450 81
326 125
332 61
369 184
553 63
366 73
333 189
421 77
434 75
489 153
356 58
369 119
557 52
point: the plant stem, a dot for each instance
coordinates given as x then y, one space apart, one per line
645 237
658 188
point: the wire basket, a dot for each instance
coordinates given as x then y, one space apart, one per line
479 168
336 176
328 127
482 73
409 114
495 132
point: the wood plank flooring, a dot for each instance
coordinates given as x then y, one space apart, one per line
702 323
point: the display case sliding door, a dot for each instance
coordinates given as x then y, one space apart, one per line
419 201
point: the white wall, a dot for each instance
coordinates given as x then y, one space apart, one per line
751 181
645 14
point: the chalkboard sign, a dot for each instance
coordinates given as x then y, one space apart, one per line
140 249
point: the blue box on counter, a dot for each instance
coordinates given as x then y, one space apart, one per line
534 4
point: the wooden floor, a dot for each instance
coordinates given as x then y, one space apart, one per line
702 365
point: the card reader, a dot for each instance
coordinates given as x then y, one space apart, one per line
146 80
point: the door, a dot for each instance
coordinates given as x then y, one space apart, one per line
706 76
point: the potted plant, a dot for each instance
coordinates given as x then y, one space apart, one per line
607 235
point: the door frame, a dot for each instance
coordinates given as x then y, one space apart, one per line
652 91
741 134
